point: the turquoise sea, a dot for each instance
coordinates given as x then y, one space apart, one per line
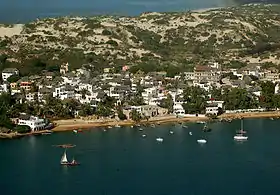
121 162
21 11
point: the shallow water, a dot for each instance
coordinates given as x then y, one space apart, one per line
121 161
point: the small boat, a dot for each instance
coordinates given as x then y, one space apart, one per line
144 135
185 126
65 145
159 139
201 141
110 127
64 161
104 130
137 125
200 122
140 129
47 133
239 136
153 125
190 133
75 131
171 132
271 118
117 126
131 126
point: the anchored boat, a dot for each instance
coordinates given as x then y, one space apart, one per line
240 135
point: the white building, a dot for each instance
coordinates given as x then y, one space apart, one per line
213 107
149 93
64 92
35 123
31 96
7 72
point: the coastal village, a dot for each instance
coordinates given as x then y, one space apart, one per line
134 97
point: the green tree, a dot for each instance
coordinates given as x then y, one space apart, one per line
103 111
267 95
135 116
84 92
238 98
195 99
13 78
121 115
86 110
168 103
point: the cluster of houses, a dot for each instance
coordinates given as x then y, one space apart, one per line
80 85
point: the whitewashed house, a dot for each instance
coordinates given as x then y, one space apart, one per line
86 86
35 123
149 93
64 92
213 107
7 72
30 96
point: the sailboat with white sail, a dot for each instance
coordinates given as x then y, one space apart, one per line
240 135
64 160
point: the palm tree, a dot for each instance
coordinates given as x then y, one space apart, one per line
84 92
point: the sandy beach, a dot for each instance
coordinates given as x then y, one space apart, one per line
68 125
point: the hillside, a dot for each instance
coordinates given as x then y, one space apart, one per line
248 33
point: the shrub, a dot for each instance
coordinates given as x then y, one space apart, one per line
106 32
112 42
22 129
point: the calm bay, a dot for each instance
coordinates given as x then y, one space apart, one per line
121 161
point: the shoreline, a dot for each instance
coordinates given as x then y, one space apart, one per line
70 125
19 135
75 124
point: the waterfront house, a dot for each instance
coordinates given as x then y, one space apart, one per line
35 123
147 110
213 107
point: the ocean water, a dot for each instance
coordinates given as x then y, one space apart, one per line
21 11
122 162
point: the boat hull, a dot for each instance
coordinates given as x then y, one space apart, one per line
201 141
239 138
69 164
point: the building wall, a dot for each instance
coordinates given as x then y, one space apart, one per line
36 124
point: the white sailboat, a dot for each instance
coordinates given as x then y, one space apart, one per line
64 160
240 135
